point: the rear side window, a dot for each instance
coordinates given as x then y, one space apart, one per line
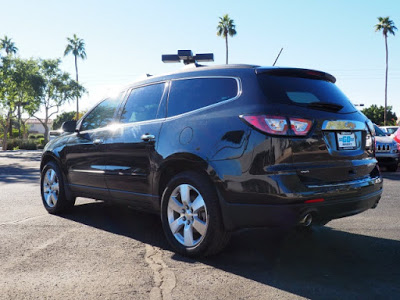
191 94
303 92
101 115
142 104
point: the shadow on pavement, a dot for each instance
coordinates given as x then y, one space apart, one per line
19 166
17 173
324 264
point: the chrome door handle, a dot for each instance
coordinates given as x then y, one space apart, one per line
147 137
98 141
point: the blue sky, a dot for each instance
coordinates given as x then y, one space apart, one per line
125 39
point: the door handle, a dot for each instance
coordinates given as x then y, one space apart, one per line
98 141
147 137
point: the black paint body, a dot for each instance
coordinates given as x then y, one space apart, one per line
261 179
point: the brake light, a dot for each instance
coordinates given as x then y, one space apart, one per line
279 125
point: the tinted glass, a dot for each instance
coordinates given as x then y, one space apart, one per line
101 115
391 130
303 91
142 104
379 131
190 94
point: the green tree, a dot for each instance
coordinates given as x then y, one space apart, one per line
64 117
8 45
29 84
58 89
76 46
376 114
387 27
226 27
20 90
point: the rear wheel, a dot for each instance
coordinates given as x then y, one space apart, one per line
191 216
54 196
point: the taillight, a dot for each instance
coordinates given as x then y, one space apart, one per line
270 124
300 126
278 125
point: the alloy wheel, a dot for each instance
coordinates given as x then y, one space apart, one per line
187 215
51 188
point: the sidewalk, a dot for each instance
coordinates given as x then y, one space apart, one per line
19 153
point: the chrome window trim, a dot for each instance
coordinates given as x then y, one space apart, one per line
168 88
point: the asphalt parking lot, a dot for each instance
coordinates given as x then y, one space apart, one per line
112 252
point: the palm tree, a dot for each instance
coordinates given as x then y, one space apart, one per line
226 27
8 45
76 46
387 26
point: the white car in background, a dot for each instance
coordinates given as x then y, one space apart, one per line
387 151
389 129
55 133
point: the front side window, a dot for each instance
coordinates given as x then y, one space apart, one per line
142 104
191 94
101 116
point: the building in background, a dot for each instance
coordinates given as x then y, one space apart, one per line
35 126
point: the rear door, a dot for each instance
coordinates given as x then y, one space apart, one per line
132 147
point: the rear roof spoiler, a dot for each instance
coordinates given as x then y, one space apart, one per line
293 72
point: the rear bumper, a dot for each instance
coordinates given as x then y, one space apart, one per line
288 215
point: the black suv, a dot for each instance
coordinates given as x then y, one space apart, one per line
214 149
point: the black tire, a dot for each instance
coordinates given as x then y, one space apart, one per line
64 202
215 236
392 168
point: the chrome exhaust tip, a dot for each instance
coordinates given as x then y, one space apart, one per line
306 220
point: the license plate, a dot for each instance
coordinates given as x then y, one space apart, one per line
346 140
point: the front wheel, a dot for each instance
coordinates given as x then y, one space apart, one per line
54 196
191 216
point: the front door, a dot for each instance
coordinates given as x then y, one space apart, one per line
84 153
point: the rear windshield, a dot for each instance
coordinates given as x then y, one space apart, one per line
391 129
313 93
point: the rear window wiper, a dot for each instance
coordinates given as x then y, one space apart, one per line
325 106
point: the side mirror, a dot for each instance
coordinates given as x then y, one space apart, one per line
69 126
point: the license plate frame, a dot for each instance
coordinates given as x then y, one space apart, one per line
346 140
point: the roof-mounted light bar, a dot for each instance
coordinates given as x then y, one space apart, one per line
187 57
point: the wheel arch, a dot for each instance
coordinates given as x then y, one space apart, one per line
178 163
49 156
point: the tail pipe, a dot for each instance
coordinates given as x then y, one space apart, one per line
306 221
